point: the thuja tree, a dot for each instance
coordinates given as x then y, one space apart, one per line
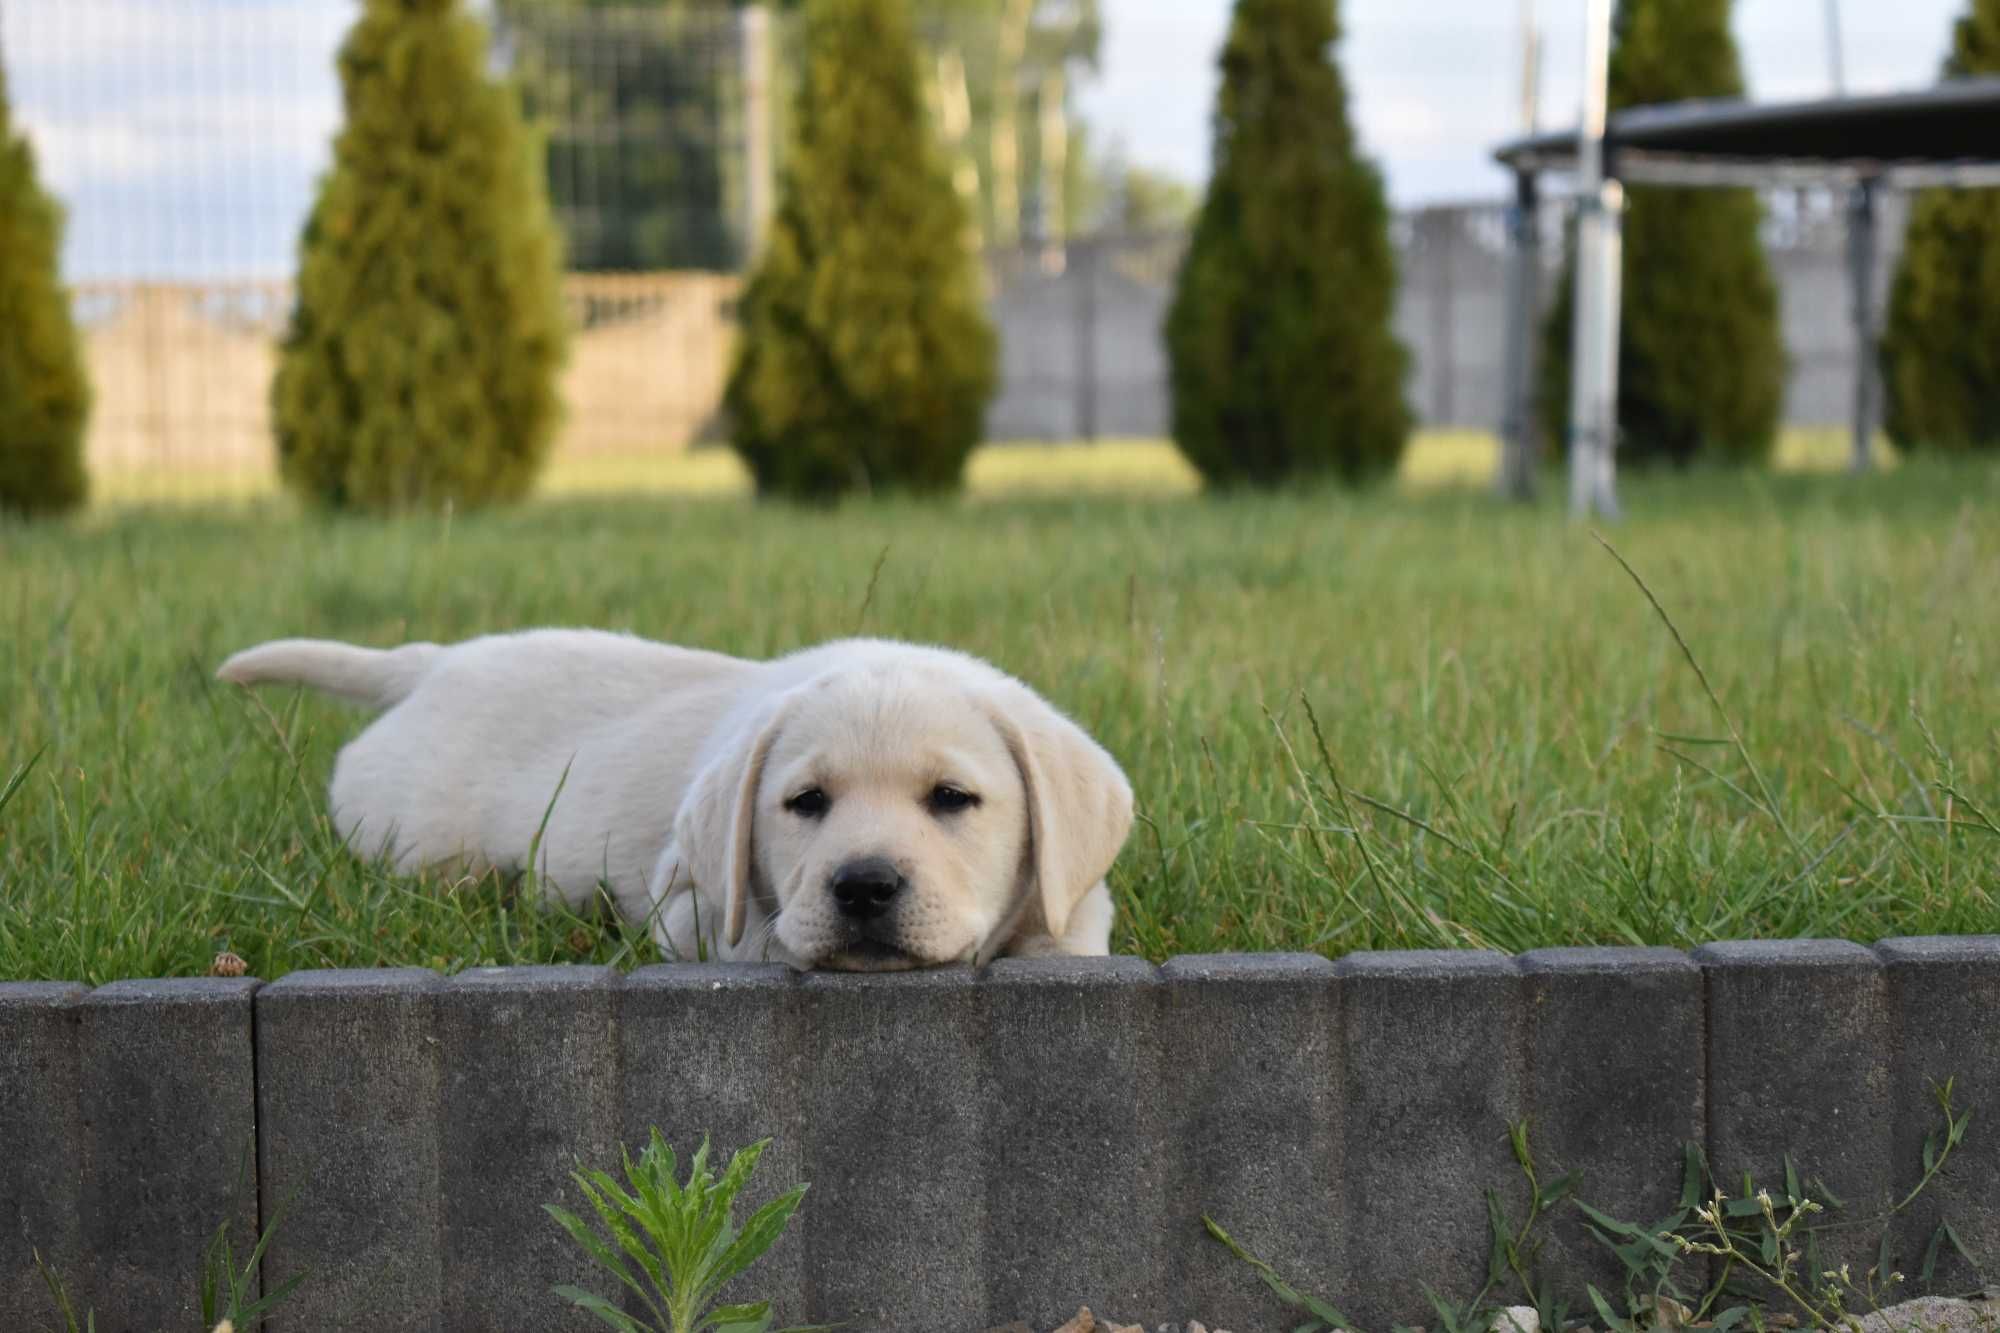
44 396
420 367
1700 350
1941 344
866 359
1284 363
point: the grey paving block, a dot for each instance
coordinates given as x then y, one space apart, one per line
1075 1129
350 1100
1617 1067
1431 1045
717 1050
531 1089
168 1098
41 1145
1944 1024
894 1106
1250 1087
1798 1066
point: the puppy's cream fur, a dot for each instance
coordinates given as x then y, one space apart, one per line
670 775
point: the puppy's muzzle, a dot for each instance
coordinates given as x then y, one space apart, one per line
866 888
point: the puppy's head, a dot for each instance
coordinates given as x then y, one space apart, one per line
902 814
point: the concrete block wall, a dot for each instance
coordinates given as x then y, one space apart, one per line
981 1148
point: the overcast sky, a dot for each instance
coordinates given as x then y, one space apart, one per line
185 134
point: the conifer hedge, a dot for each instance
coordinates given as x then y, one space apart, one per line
1941 340
1284 363
421 363
866 359
44 393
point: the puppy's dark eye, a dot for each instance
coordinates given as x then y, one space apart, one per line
946 799
809 804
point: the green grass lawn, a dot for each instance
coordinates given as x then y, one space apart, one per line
1510 749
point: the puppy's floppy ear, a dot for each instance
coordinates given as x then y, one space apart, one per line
713 827
1079 803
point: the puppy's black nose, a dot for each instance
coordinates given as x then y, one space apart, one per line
865 888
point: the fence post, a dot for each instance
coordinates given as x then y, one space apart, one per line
1442 230
1861 274
754 50
1524 271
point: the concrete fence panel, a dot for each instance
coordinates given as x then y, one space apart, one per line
981 1149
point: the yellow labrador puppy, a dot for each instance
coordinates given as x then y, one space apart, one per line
863 805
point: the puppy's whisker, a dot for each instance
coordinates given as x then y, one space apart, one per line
758 941
765 939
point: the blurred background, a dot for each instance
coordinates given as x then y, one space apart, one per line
185 137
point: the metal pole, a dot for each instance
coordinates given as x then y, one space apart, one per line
1517 434
1836 58
1524 270
1531 74
1861 274
1611 240
1593 409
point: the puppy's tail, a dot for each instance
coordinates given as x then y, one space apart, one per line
377 677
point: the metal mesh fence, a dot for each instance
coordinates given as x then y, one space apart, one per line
642 109
1080 346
